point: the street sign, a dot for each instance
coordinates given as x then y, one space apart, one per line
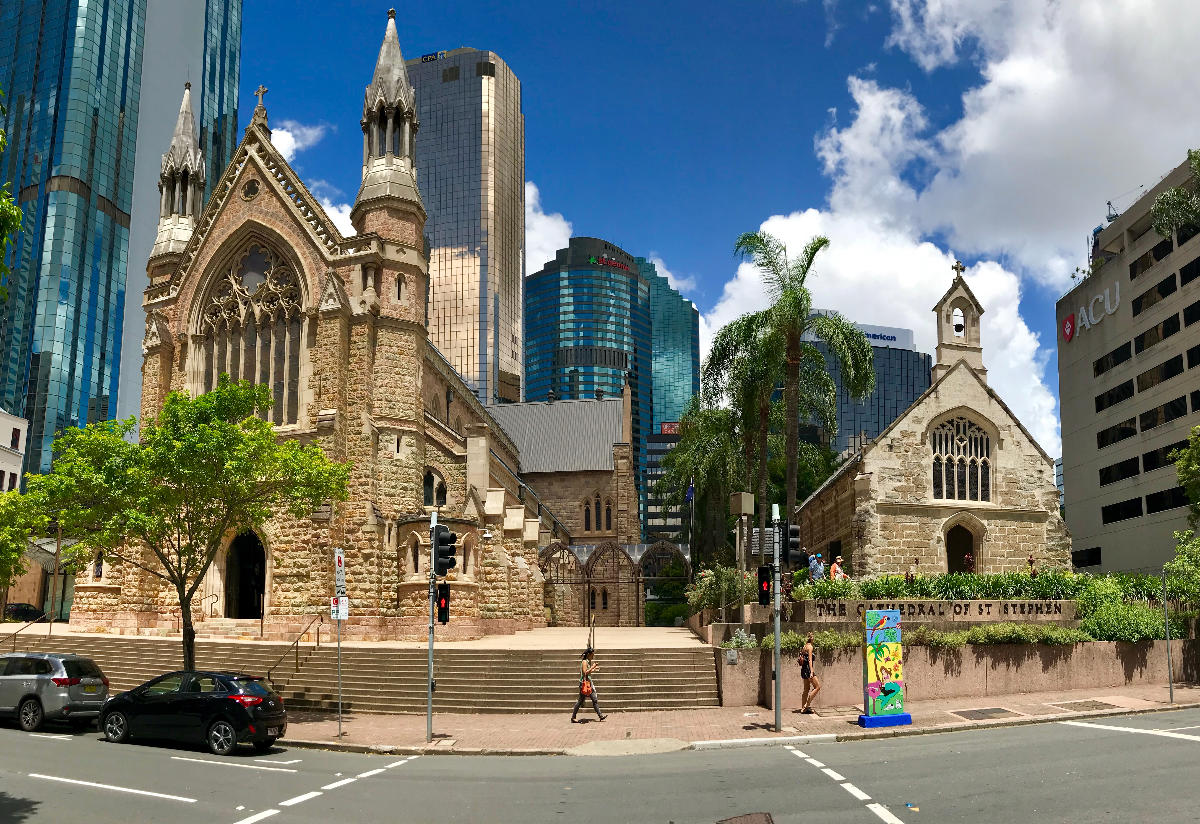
339 608
339 571
758 544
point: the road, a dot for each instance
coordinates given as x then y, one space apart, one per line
1109 769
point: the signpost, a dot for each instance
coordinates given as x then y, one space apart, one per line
778 661
339 610
432 596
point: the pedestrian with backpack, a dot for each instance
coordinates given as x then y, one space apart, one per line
586 688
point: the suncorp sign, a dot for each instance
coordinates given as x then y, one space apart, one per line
1091 313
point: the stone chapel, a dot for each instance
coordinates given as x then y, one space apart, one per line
259 283
955 473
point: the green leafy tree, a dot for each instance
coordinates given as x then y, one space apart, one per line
1179 206
10 215
22 518
1187 465
792 316
204 469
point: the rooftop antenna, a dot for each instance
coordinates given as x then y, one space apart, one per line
1113 214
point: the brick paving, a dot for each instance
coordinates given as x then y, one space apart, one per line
555 733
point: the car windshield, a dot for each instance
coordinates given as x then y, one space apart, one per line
81 668
253 686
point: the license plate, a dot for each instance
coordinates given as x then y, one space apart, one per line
91 689
272 730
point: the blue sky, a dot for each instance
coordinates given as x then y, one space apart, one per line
910 131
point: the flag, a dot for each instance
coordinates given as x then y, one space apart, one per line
691 493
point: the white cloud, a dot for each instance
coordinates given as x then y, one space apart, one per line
545 233
679 284
291 137
339 213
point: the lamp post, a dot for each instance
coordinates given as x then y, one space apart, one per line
54 580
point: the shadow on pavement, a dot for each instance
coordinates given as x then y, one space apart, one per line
16 809
194 749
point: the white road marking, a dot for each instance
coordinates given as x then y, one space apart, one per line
788 747
856 792
113 787
337 784
1162 733
884 813
257 817
814 762
369 773
1175 729
231 764
49 737
396 764
800 754
835 776
292 801
265 761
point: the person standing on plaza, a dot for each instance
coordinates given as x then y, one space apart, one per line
835 571
912 571
812 684
1032 566
586 688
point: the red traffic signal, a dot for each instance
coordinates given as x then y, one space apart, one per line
764 585
443 603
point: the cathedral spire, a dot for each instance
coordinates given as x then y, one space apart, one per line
180 183
389 126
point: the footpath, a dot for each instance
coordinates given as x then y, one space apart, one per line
716 727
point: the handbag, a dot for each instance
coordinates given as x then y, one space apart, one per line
585 688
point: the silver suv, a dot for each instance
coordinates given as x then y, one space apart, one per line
35 686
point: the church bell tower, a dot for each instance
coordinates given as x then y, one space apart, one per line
958 315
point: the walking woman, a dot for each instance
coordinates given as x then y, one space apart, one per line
586 688
812 684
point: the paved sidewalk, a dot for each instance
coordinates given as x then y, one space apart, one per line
628 733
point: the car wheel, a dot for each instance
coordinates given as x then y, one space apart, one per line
263 746
29 715
116 727
222 739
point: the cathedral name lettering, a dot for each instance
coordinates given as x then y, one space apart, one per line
989 610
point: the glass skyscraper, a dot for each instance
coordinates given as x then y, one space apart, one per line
470 159
71 73
219 86
595 317
901 375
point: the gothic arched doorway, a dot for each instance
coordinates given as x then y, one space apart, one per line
245 577
959 542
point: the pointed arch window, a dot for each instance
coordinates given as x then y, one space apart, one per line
604 598
428 488
962 461
587 517
251 329
596 507
608 516
592 598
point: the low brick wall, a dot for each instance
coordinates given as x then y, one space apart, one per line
968 672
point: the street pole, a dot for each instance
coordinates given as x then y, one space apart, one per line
54 584
778 661
1167 626
339 642
432 596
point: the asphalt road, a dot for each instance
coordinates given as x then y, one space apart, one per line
1112 769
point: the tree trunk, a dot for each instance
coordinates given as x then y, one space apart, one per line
189 632
791 403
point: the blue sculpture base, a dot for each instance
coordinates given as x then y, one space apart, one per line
899 720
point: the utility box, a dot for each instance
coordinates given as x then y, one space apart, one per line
741 503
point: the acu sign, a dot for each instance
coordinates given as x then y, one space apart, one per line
1090 313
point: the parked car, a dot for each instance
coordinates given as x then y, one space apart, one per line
220 709
36 686
22 612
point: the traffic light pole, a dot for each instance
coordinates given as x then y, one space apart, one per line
778 661
432 587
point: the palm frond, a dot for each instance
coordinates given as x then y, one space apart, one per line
769 255
851 349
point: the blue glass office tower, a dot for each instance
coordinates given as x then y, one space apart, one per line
901 375
219 86
595 317
71 72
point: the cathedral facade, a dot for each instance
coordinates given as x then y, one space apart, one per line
259 284
955 484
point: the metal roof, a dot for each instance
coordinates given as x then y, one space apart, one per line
563 436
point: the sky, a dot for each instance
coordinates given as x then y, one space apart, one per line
910 132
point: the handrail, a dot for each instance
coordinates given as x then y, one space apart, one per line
317 619
212 610
37 620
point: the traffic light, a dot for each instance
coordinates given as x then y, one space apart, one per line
443 550
764 586
443 603
793 539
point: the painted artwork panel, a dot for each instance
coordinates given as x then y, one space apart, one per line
883 663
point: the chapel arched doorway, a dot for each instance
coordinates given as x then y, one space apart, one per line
960 542
245 577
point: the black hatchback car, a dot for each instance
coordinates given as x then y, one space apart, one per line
220 709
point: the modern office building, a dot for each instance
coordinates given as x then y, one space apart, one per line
71 73
201 43
675 347
1128 338
470 159
901 374
13 432
663 521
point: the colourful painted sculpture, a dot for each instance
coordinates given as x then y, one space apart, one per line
883 670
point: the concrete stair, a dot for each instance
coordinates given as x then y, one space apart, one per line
392 680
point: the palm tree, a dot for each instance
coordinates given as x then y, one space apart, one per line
791 316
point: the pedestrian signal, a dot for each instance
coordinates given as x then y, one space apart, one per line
764 585
443 603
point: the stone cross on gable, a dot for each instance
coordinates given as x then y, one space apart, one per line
260 91
958 267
